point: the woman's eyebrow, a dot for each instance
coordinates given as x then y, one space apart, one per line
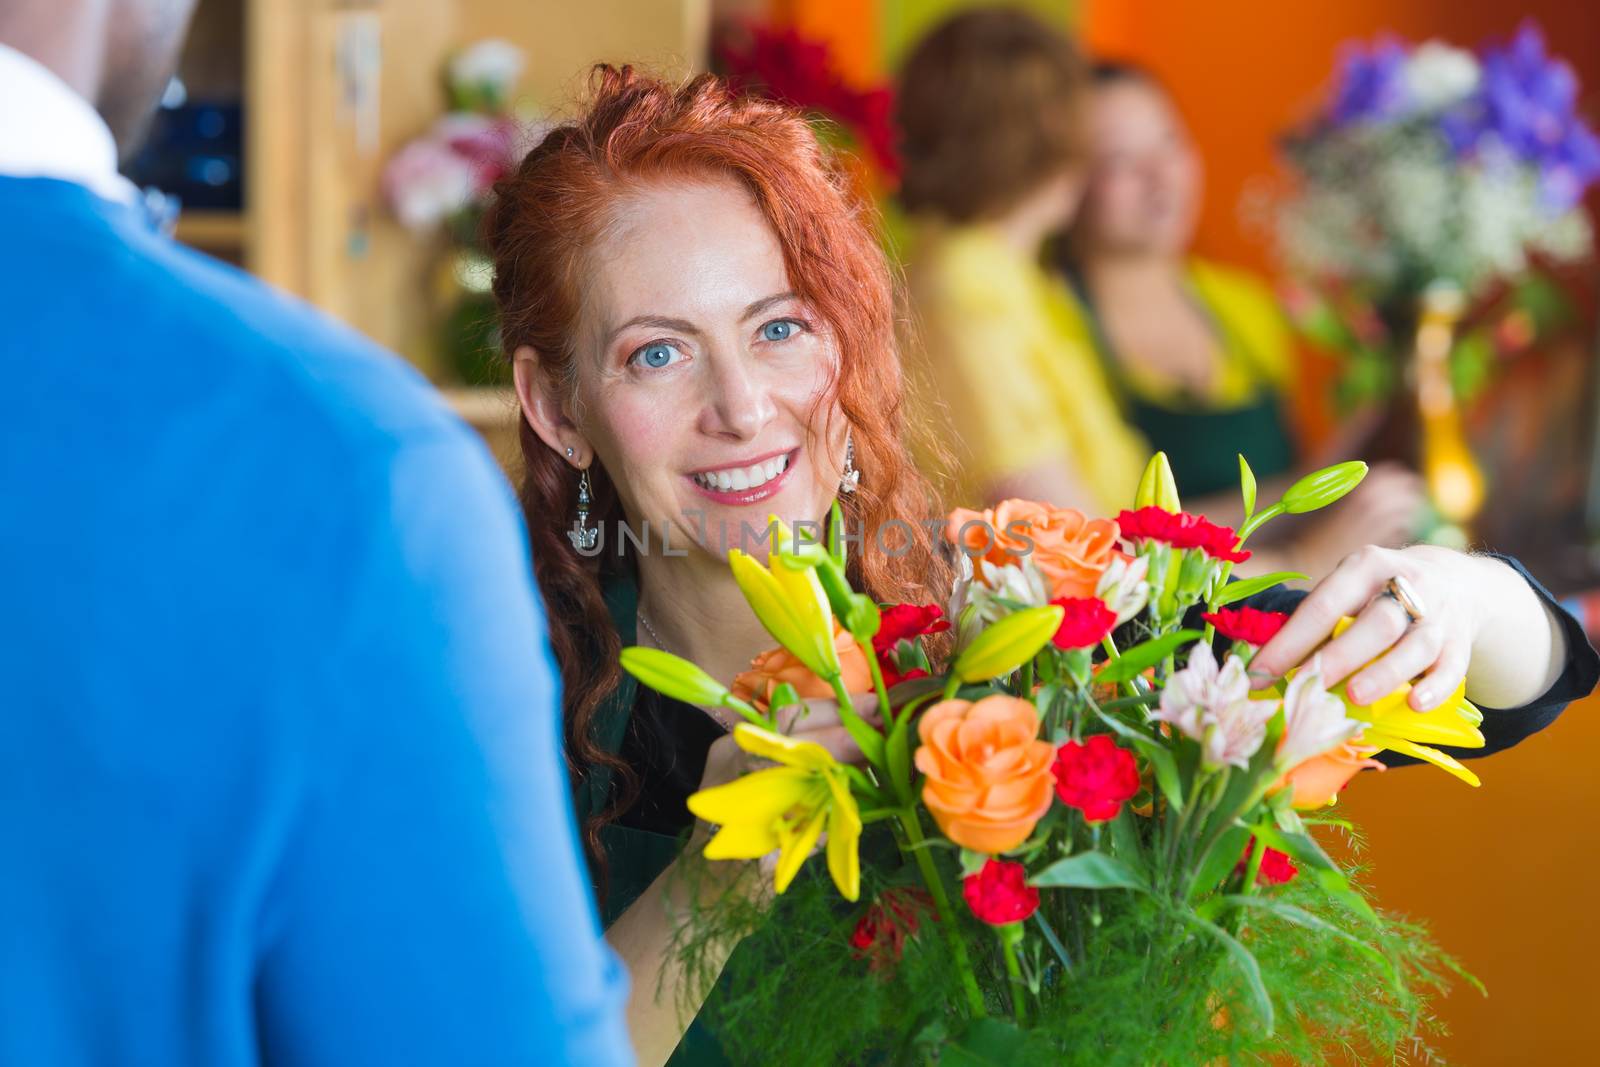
658 322
765 303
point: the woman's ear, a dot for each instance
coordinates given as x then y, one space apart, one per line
544 410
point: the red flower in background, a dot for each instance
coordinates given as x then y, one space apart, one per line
1246 624
1097 777
1182 530
904 622
880 935
1085 622
999 893
780 64
1276 867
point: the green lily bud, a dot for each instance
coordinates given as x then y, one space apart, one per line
1008 644
1157 488
673 676
1321 488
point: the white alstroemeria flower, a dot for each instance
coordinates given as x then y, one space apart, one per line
1212 705
1236 732
1314 720
494 63
1124 588
1016 583
1438 75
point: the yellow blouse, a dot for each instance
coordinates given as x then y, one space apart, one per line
1002 373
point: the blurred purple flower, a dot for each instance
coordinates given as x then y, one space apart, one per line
1527 105
1371 85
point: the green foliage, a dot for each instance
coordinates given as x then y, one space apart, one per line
1146 983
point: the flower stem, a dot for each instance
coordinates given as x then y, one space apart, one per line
877 677
1008 945
947 918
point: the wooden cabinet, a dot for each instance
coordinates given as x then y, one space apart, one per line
331 88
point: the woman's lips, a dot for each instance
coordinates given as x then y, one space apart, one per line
750 494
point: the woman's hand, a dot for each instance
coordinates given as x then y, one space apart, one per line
1483 623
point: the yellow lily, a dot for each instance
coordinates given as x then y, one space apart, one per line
791 604
784 809
1391 723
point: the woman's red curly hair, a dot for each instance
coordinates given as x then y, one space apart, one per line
546 215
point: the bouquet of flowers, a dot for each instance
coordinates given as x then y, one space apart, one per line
1083 839
441 182
1431 166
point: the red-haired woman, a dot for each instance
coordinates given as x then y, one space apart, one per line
702 327
700 320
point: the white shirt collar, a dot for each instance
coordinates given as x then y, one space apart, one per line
48 131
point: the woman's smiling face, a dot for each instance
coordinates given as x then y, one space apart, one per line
702 382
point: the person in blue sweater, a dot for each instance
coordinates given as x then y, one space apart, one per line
280 765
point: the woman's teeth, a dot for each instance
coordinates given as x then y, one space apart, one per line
738 479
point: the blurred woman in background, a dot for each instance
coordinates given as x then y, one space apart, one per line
1199 355
991 116
1002 129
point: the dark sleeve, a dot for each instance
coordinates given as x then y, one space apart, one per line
1502 727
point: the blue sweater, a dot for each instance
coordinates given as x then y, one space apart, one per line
280 773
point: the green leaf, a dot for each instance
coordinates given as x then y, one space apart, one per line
1216 864
1247 487
673 676
1234 592
1245 961
1140 658
1008 644
1321 488
972 862
783 696
986 1043
1326 873
1090 870
1300 917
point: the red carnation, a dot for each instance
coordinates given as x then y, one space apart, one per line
1000 893
904 622
1095 777
880 935
1246 624
1276 867
1182 530
1085 622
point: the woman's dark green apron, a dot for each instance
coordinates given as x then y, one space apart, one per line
1203 443
634 857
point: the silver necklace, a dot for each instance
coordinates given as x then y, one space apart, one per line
651 630
715 713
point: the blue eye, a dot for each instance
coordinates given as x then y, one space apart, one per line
779 330
656 355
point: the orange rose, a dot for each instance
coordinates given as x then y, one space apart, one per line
777 665
1070 550
987 774
1317 781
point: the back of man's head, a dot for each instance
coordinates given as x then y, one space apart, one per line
118 54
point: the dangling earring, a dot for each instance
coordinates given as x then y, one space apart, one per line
851 477
582 535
